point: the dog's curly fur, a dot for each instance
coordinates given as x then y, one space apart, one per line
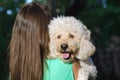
73 33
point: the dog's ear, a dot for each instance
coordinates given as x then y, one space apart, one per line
86 48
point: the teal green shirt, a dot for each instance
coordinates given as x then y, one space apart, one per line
56 69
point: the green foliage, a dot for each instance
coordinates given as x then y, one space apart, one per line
63 5
103 22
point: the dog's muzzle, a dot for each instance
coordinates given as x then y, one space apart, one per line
66 54
64 47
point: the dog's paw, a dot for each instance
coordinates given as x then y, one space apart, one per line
82 75
93 73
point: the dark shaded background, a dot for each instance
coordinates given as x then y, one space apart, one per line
102 17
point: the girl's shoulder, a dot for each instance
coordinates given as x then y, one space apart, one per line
57 68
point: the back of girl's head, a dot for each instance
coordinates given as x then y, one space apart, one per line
29 42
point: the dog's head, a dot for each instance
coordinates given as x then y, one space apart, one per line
69 39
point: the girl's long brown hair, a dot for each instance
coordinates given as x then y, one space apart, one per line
29 42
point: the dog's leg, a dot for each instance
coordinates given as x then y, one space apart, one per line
87 70
82 75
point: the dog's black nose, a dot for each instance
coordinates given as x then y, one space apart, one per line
64 46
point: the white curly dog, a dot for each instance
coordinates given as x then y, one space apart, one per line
70 40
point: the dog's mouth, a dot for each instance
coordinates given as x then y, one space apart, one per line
66 55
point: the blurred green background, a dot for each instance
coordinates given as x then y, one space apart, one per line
102 17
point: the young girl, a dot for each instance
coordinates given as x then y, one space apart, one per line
29 47
29 42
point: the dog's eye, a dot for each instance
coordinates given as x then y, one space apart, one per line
58 36
71 36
